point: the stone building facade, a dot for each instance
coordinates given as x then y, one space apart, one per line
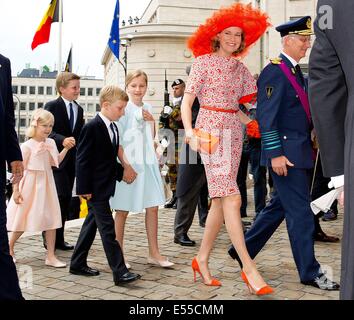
158 42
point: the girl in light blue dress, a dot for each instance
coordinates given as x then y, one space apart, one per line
136 137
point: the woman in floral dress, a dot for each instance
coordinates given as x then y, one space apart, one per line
220 81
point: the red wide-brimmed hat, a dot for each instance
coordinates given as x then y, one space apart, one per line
252 21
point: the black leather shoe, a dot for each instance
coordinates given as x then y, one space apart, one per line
329 215
175 205
84 271
171 203
64 246
233 254
184 240
321 236
322 282
127 277
246 223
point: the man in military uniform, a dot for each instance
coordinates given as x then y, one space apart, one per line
174 123
285 123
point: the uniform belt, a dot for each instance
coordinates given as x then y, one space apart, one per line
219 109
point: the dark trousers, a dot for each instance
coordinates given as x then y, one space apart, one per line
9 285
203 203
187 205
74 209
291 201
64 202
251 153
99 217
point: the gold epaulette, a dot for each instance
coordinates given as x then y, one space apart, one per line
276 60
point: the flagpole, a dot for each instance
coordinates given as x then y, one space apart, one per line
60 34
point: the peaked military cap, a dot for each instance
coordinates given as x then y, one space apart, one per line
302 26
177 82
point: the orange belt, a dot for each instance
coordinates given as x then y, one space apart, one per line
219 109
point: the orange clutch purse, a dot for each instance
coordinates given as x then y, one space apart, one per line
205 142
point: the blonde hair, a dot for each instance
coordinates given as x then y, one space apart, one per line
112 93
135 74
64 78
39 116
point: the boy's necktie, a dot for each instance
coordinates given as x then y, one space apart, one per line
71 119
114 140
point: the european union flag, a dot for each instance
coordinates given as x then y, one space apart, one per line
114 40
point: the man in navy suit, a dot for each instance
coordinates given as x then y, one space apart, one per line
68 123
97 170
10 152
285 122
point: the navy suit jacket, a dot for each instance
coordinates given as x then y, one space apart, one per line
284 126
9 148
97 168
65 174
9 151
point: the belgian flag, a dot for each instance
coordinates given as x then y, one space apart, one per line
43 31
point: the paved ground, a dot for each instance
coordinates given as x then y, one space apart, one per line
275 263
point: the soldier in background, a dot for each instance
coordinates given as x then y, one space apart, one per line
171 119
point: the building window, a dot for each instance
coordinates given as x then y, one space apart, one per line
40 105
41 90
22 122
98 91
90 92
98 108
15 105
82 91
22 138
23 106
49 91
32 90
90 107
14 89
32 106
23 90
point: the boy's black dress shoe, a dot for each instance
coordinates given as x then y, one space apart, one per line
322 282
184 240
85 271
233 254
126 277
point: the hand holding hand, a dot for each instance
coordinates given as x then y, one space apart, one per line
17 197
69 142
17 171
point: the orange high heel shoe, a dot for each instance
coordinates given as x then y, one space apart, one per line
195 267
259 292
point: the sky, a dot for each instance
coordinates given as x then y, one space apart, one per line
87 25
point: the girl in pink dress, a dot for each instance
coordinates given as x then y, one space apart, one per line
220 81
34 204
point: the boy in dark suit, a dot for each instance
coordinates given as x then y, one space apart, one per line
97 170
68 123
